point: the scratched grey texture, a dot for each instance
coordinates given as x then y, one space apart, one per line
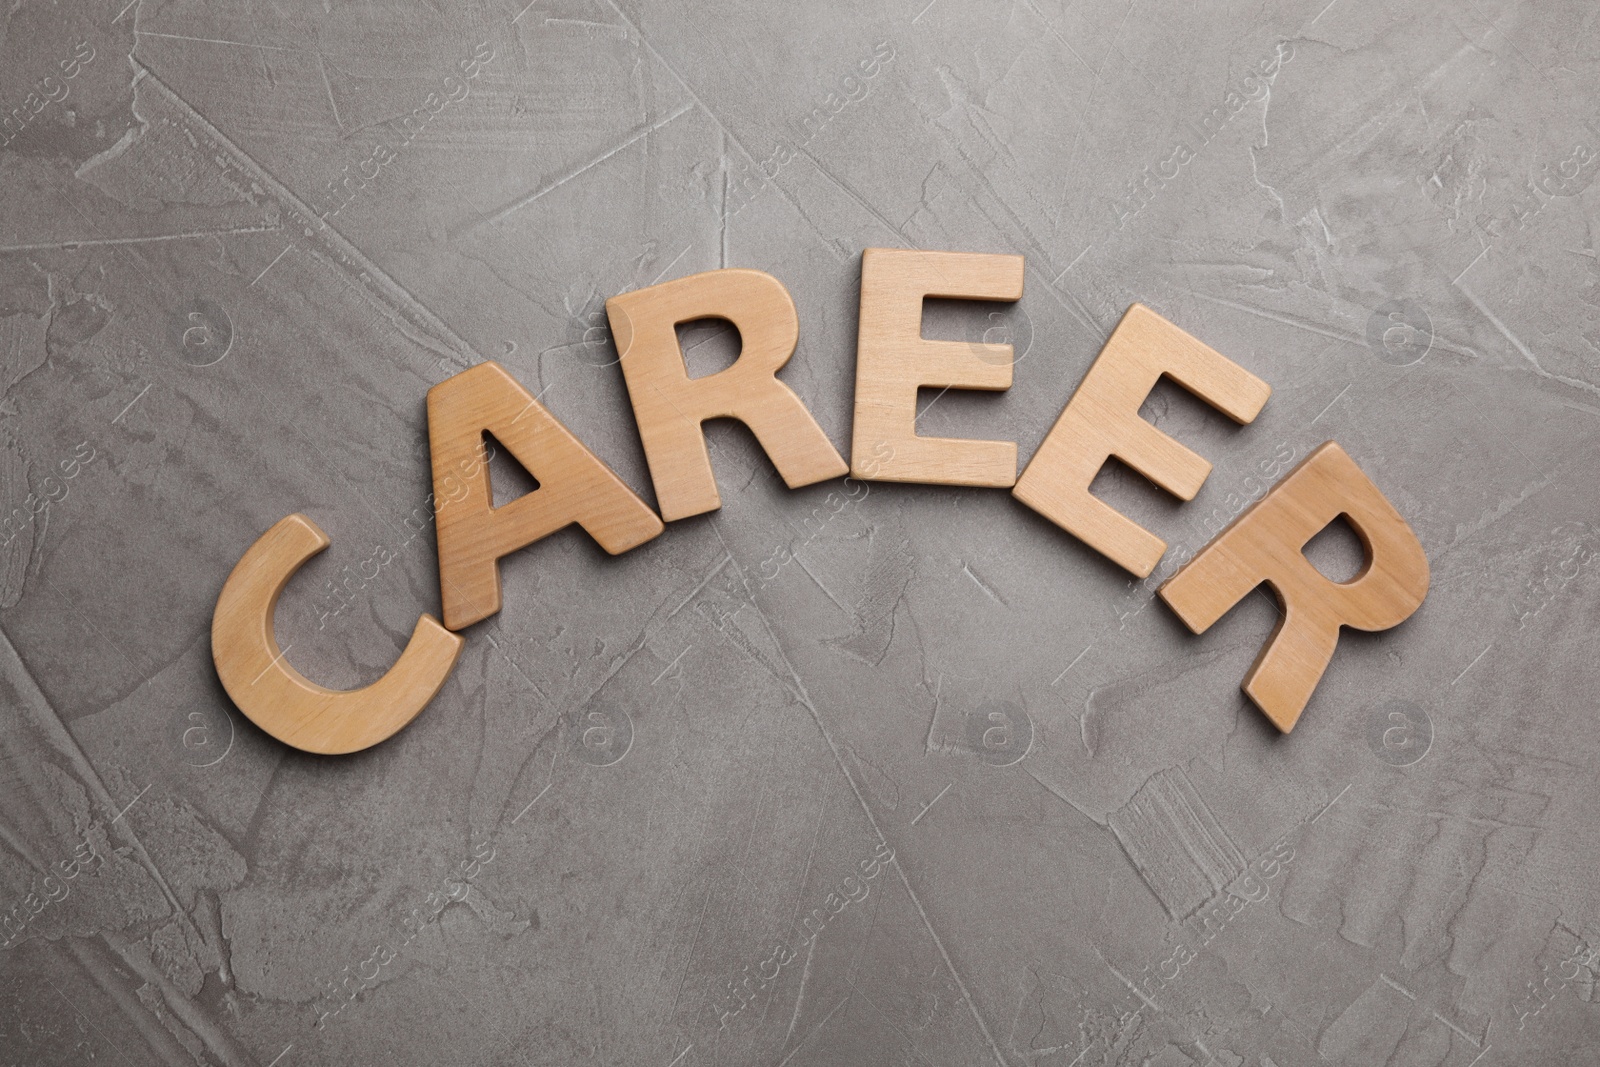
855 774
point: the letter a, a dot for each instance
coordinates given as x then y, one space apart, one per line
574 486
1264 545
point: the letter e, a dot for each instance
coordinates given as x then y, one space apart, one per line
893 361
1102 420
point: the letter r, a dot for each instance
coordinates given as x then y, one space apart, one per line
1264 545
669 406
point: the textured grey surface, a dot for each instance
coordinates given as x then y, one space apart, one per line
647 821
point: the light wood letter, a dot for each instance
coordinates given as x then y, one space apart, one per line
1264 545
1102 420
574 486
669 406
893 362
278 698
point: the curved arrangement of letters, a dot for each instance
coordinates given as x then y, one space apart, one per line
893 361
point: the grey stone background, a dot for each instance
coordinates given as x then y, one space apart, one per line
603 841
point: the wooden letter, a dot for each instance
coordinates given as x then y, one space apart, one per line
1102 420
278 698
669 406
893 362
574 486
1264 545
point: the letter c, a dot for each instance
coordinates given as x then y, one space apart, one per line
278 698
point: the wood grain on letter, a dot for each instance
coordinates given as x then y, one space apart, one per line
1265 545
893 361
1102 420
669 406
280 700
574 486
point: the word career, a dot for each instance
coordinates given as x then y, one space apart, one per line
893 361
